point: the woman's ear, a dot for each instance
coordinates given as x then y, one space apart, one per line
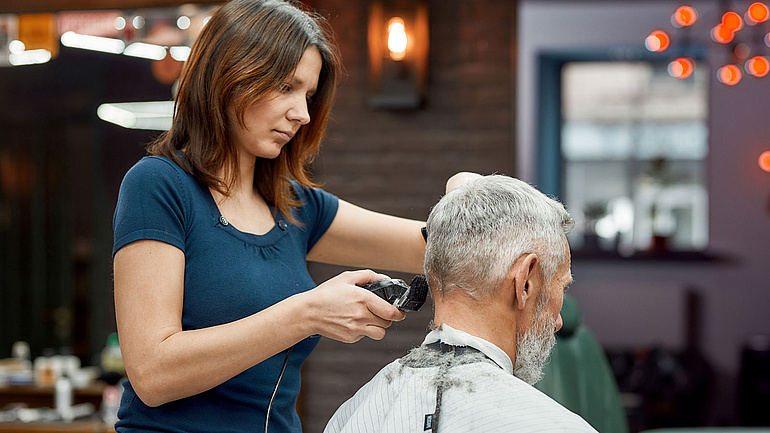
524 271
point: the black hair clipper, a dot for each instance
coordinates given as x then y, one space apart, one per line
399 294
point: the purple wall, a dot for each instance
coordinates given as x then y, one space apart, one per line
634 304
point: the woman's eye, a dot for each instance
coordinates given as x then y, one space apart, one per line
285 88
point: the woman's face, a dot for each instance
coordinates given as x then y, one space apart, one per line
271 123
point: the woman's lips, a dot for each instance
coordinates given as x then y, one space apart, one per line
286 135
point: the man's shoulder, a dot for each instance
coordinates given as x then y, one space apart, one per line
394 400
502 402
478 396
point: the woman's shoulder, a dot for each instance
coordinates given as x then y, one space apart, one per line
157 165
310 195
156 169
314 200
316 211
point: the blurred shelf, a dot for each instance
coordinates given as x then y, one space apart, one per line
72 427
42 396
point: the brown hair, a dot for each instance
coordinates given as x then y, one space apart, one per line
246 51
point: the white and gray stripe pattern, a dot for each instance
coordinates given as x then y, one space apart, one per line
477 397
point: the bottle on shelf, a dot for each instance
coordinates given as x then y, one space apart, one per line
113 370
111 358
19 371
63 397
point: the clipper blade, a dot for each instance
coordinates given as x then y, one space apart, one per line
390 290
397 293
418 293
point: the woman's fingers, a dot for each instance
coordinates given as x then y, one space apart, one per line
349 312
375 332
459 179
361 277
382 309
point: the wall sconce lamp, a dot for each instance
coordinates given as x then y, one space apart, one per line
398 53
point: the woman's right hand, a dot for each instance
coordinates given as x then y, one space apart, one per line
344 311
459 179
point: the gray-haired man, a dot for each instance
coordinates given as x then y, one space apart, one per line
497 263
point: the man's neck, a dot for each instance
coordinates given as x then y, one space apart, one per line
486 320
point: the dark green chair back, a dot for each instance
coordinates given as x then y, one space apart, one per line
710 430
579 377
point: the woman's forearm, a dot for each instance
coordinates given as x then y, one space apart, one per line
186 363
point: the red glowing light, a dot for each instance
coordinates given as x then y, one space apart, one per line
757 13
741 52
764 161
729 75
758 66
732 21
684 16
681 68
657 41
720 33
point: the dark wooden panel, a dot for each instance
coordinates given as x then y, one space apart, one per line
25 6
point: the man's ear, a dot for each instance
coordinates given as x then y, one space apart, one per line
524 272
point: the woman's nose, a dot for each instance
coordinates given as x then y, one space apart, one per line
299 112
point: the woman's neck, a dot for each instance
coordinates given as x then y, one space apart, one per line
244 207
243 183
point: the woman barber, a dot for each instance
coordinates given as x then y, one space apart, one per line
214 228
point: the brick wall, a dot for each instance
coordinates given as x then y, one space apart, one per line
398 161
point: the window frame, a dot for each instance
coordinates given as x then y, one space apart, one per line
549 161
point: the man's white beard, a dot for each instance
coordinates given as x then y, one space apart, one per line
534 348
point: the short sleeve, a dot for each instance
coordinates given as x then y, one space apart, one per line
318 210
152 205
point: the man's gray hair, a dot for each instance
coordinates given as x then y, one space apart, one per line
477 231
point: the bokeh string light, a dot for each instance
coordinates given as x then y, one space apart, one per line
729 75
681 67
684 16
732 21
744 34
740 30
658 41
764 161
758 66
757 13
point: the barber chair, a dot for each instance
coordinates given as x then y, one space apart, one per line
579 377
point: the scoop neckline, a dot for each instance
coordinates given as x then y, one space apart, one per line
276 232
